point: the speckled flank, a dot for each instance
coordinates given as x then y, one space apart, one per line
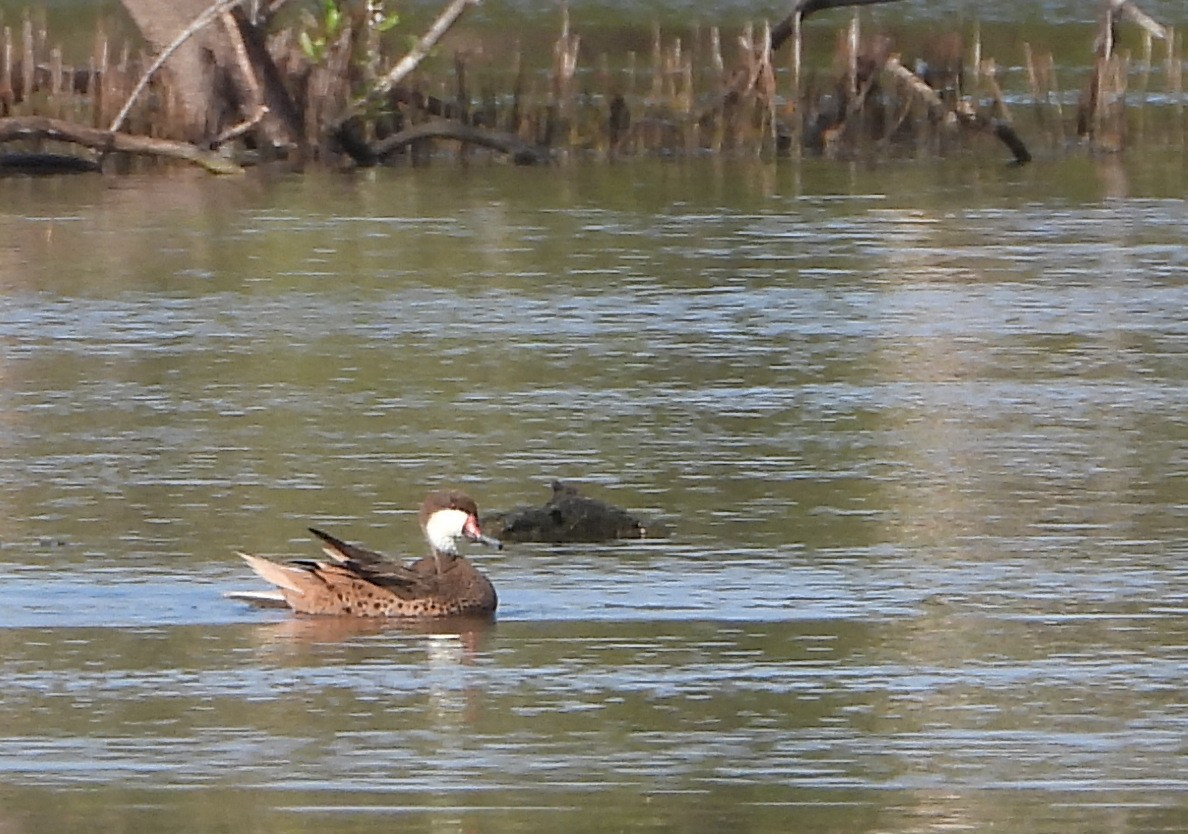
461 590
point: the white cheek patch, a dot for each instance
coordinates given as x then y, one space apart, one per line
444 528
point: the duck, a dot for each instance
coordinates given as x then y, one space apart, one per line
567 517
360 583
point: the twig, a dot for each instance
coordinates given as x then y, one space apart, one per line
235 131
195 26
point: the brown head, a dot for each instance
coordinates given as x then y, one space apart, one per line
449 515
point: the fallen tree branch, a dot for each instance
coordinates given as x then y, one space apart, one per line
1002 130
106 141
520 151
1136 15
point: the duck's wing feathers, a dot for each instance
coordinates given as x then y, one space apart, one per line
341 551
360 563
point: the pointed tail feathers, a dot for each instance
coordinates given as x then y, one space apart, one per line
260 599
286 578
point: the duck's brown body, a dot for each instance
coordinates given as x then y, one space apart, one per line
360 583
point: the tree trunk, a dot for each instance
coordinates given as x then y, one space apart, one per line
221 75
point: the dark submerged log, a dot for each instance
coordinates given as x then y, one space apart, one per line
568 516
46 164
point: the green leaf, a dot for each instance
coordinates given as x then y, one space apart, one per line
306 44
333 19
387 22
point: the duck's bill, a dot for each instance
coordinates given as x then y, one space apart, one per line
472 532
488 541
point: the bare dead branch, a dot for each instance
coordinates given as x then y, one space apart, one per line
409 62
1002 130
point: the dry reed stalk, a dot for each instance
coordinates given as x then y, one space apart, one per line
692 128
115 85
56 106
1033 82
1054 84
28 60
853 39
733 122
722 83
7 94
1144 80
1148 50
514 122
990 70
680 90
605 110
565 57
767 86
651 134
688 83
119 76
1175 77
97 68
461 99
664 107
1121 85
672 60
634 116
657 64
976 60
1109 112
716 62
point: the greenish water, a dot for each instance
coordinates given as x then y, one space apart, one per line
916 433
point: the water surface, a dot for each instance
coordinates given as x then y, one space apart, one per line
916 434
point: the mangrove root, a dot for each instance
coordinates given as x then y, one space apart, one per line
520 151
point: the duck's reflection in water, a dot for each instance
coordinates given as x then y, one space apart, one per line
383 657
302 631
